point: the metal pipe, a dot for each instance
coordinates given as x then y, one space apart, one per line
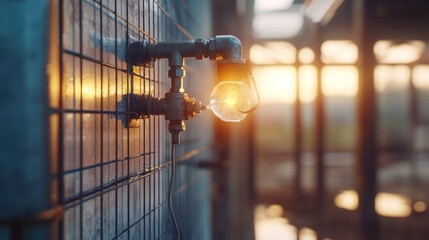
227 47
166 49
223 47
177 106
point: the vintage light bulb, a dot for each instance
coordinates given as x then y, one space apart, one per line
231 100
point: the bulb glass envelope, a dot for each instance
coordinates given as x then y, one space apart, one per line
232 98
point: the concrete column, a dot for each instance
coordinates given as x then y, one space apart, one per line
25 177
319 123
367 121
297 134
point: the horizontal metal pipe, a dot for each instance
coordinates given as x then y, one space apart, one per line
224 47
165 49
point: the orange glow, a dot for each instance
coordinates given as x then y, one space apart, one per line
54 84
306 55
276 84
89 91
421 76
340 81
386 76
307 234
347 200
419 206
274 211
231 101
307 83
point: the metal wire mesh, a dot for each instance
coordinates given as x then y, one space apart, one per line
113 179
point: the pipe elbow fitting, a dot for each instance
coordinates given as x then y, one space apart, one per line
226 47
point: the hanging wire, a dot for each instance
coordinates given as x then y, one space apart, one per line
255 90
170 191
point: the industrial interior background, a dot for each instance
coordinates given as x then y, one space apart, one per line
338 149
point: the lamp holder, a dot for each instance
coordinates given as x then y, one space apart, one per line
176 105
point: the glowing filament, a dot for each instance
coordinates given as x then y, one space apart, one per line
230 100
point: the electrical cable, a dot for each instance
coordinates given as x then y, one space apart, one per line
170 192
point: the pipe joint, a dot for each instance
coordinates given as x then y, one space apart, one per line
225 47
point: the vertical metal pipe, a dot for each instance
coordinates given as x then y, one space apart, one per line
176 75
176 72
366 122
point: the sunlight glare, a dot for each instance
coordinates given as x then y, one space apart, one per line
386 204
307 234
276 84
274 229
340 81
421 76
391 77
339 51
274 210
273 53
272 5
306 55
389 52
277 25
269 226
91 90
392 205
347 200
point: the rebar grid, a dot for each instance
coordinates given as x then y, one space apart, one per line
112 180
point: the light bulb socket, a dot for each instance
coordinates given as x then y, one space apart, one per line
232 70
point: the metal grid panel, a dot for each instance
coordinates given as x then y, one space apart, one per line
113 179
